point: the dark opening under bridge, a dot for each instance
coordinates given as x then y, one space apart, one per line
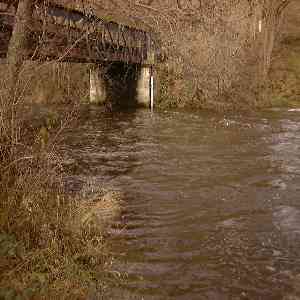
67 35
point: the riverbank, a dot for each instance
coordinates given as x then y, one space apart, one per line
64 254
53 243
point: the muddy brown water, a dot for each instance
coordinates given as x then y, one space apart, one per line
213 201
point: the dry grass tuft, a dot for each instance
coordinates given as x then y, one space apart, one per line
96 213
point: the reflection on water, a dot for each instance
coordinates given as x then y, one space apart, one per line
213 206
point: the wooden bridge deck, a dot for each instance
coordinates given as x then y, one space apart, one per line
70 35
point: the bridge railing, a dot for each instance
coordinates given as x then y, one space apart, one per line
71 35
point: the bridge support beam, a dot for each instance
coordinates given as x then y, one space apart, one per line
145 88
98 91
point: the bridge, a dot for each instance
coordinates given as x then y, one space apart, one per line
68 35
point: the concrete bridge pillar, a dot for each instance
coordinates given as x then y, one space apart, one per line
145 88
98 92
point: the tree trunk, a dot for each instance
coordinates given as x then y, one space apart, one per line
18 42
15 57
272 17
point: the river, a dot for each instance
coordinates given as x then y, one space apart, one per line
212 205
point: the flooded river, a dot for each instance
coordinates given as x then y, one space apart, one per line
213 201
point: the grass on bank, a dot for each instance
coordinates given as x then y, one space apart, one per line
51 246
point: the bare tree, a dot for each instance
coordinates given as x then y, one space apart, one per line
272 14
